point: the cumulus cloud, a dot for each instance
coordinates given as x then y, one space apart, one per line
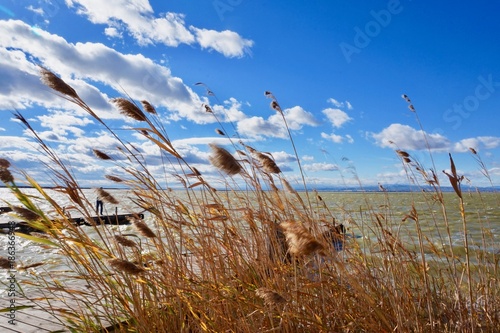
258 127
336 117
339 104
407 138
229 43
317 167
80 65
481 142
337 138
138 18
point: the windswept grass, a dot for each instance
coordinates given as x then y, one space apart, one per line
263 259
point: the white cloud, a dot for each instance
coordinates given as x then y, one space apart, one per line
229 43
307 158
407 138
317 167
38 11
336 117
339 104
258 127
138 18
337 138
112 32
81 63
332 137
481 142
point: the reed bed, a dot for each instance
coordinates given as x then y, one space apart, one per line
258 255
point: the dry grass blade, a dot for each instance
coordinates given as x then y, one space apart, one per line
224 161
299 239
454 178
129 109
126 266
56 83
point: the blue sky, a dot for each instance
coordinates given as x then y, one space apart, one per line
337 68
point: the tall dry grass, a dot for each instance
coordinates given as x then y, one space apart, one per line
258 257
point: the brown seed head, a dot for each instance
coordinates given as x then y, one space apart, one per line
144 229
402 153
218 131
208 109
473 151
101 155
124 241
125 266
129 109
106 196
56 83
4 164
26 214
148 107
6 176
275 106
224 161
5 263
114 178
299 239
270 297
268 163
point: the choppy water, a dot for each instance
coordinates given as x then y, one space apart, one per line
355 210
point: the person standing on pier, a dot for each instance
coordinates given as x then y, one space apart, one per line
99 204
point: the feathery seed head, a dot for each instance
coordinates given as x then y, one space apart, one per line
224 161
406 98
4 263
106 196
56 83
129 109
125 266
124 241
100 155
4 164
148 107
268 163
114 178
6 176
270 297
143 229
275 106
26 214
299 239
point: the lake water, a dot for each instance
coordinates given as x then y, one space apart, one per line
355 210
